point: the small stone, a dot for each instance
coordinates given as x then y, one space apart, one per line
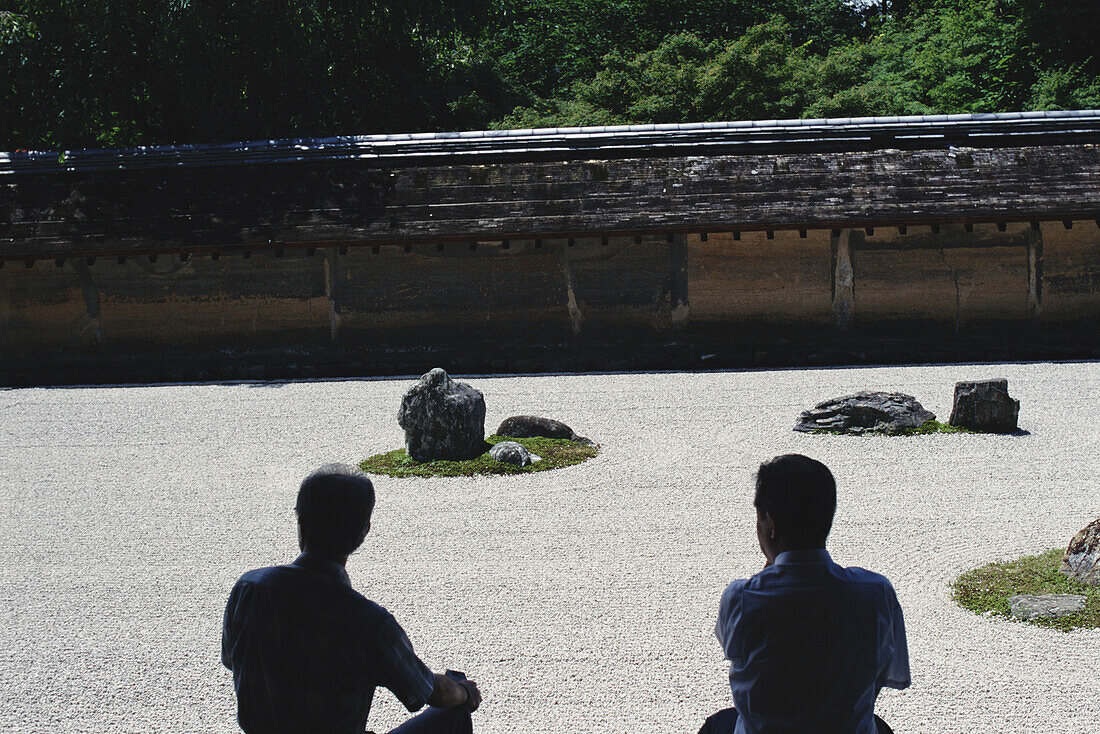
510 452
863 412
984 405
1033 606
1082 558
443 419
533 426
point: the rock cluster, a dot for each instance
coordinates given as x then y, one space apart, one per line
531 426
510 452
1082 558
985 405
443 419
863 412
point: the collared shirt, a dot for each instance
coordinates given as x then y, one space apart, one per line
810 645
307 651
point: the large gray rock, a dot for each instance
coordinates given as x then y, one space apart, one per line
880 412
1082 558
510 452
443 419
984 405
531 426
1033 606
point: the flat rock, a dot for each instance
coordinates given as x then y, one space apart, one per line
985 405
1082 558
510 452
532 426
443 419
863 412
1033 606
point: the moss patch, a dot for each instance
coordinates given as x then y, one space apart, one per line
986 590
923 429
933 427
555 453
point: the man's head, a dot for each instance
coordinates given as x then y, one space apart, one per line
795 503
334 508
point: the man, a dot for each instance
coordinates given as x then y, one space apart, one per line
810 644
307 651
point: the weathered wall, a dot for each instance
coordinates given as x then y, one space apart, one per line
129 209
767 242
981 291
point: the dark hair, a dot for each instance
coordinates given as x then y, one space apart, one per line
800 495
334 508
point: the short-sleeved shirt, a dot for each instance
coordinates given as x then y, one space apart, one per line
810 645
307 651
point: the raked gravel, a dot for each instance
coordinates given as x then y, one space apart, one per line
582 599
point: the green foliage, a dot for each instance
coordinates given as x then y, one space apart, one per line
129 72
940 56
1065 88
555 453
684 78
543 47
135 71
986 590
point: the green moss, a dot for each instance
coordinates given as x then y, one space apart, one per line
924 429
555 453
933 426
986 590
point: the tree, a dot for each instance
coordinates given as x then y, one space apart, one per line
684 79
124 72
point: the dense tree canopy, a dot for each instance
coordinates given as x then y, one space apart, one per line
126 72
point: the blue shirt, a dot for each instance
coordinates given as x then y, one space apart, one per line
307 651
810 645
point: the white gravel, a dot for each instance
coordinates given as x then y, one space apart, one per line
582 599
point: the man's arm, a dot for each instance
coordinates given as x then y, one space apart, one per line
894 671
729 613
449 692
229 624
410 680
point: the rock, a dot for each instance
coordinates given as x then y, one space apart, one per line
443 419
1033 606
531 426
510 452
984 405
883 412
1082 558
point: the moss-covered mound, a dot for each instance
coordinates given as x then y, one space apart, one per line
923 429
986 590
555 453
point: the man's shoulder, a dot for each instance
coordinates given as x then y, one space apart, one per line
260 575
736 587
298 581
776 578
859 575
733 593
868 585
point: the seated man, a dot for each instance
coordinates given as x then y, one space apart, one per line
810 644
307 650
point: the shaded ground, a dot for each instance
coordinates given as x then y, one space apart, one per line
581 599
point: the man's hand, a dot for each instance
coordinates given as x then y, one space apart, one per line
473 695
449 692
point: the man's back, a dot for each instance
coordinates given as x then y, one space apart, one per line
810 644
307 651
